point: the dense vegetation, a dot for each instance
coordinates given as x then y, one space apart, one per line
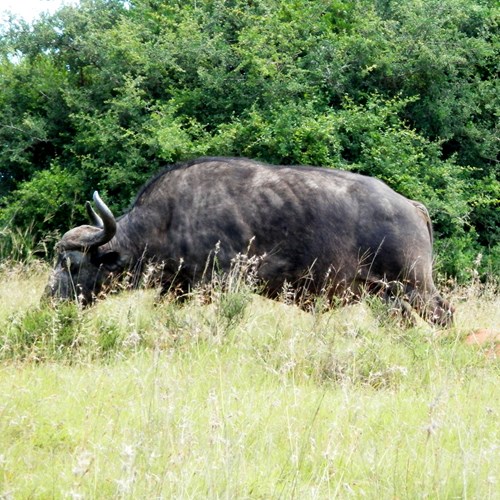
101 95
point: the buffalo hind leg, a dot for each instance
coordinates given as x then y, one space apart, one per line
406 298
438 311
431 306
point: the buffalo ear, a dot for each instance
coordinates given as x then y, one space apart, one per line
111 261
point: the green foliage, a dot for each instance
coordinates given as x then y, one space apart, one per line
101 95
50 195
109 336
43 333
18 244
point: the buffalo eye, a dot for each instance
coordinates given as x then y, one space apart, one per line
65 262
70 262
110 260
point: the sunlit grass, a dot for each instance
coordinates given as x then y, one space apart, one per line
242 398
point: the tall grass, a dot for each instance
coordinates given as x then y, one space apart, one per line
22 244
231 395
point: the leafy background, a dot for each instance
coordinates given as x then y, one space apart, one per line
101 95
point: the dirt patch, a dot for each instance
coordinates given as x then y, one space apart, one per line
487 338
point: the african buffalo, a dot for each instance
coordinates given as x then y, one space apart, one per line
326 231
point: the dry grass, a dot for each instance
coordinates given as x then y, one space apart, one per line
242 398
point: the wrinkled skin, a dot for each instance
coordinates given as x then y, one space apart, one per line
325 231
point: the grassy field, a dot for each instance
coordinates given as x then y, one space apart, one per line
242 398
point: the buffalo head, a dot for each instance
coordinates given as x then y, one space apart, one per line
84 264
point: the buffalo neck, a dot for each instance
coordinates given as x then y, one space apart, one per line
127 242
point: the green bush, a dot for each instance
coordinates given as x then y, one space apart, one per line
101 95
44 333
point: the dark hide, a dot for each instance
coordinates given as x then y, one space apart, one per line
326 230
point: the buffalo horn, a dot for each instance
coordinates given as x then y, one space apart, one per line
94 218
85 237
105 218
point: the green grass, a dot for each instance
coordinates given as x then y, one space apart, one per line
242 398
